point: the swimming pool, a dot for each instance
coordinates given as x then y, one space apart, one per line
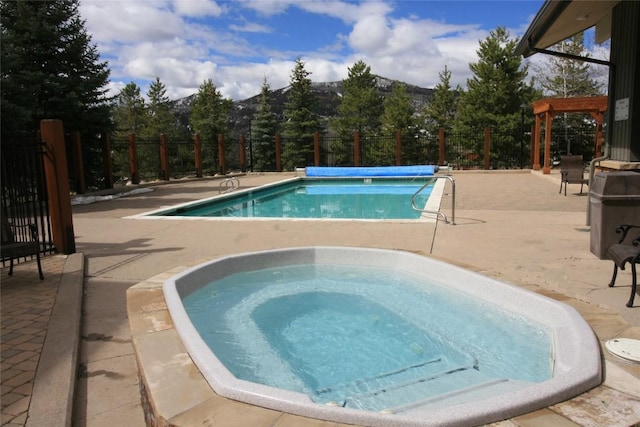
369 198
414 337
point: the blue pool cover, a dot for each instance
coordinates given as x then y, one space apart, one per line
415 170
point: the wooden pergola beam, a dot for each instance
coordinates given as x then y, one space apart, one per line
550 107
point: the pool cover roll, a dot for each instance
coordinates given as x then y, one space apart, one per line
357 171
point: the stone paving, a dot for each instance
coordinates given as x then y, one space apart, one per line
26 304
121 252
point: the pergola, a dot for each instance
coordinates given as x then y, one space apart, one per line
549 107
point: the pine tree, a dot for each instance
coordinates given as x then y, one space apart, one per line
398 117
301 119
361 104
129 111
562 77
566 77
497 89
359 111
160 118
494 98
398 111
50 68
441 110
209 113
263 131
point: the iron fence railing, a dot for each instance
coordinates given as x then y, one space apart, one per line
24 188
468 150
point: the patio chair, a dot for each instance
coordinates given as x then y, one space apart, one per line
20 241
626 252
572 172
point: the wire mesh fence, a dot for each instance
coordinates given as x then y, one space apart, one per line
470 150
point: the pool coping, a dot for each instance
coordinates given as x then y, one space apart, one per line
433 205
151 325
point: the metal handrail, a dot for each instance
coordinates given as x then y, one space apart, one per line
229 185
441 214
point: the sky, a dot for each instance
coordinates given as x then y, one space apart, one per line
241 44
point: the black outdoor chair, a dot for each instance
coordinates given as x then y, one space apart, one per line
20 241
572 172
625 252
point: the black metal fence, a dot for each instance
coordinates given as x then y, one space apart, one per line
24 189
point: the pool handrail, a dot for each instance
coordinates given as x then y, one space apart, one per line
229 184
438 212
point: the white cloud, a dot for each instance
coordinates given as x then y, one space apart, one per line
197 8
184 42
370 34
267 7
114 22
250 27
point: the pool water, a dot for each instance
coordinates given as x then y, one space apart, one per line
364 337
361 198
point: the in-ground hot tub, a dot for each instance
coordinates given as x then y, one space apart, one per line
378 337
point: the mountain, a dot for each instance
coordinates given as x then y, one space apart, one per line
327 93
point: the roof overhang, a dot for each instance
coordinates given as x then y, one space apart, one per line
559 20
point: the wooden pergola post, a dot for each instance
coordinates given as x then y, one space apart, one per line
548 118
536 144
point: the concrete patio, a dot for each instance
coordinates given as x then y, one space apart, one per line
511 225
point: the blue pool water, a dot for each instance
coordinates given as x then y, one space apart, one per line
360 198
363 337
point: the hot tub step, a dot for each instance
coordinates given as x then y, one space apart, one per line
420 389
398 378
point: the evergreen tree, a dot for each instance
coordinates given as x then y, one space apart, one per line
561 77
497 89
263 131
566 77
129 111
398 111
441 110
494 98
301 119
160 117
361 104
209 113
359 111
398 117
50 68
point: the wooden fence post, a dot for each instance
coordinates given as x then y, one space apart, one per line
398 148
243 154
221 160
106 159
197 152
57 176
278 153
316 148
78 162
441 138
133 160
164 158
487 148
356 148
